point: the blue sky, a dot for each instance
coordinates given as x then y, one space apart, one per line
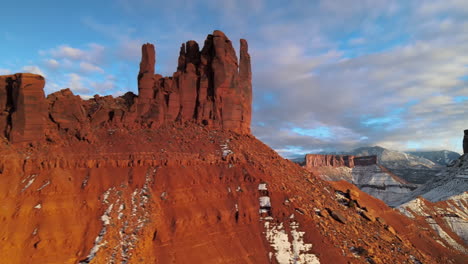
327 75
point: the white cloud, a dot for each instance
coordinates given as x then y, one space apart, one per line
103 87
130 49
75 83
65 51
34 69
89 67
412 83
94 53
51 63
5 71
357 41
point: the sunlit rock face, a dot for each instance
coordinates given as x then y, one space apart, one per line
211 87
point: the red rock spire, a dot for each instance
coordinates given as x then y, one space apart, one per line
210 87
146 74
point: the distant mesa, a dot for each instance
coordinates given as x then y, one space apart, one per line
211 87
350 161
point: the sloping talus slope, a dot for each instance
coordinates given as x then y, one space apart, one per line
160 202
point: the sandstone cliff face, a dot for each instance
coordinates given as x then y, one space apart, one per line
211 87
317 160
350 161
23 107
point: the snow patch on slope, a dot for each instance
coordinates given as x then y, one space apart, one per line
286 252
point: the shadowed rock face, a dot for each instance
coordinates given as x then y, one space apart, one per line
365 160
465 142
210 87
23 107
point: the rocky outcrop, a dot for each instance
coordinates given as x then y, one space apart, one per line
211 88
350 161
317 160
23 107
465 142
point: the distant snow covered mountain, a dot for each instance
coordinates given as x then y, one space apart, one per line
441 157
451 181
442 204
411 168
393 158
438 201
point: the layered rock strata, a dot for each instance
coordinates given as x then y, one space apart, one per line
350 161
364 172
211 86
23 107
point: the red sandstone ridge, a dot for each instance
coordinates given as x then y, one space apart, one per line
211 87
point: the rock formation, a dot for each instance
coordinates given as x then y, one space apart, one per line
23 107
465 142
317 160
172 175
210 87
350 161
